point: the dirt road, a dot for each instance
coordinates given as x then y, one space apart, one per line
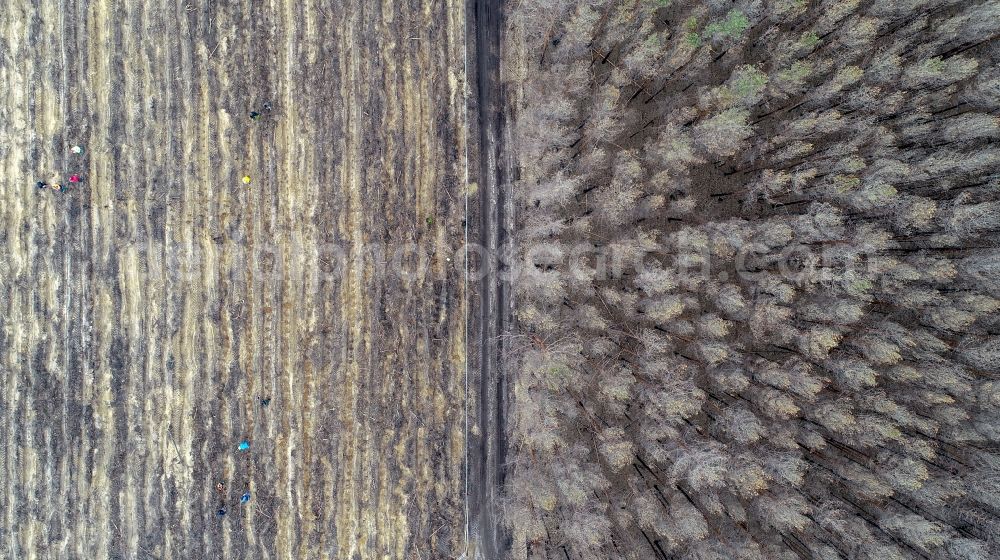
492 304
147 312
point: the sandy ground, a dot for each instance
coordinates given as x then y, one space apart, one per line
146 313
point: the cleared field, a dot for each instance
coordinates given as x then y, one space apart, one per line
145 314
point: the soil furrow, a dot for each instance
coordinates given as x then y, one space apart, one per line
151 308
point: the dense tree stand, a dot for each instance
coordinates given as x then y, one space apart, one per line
758 282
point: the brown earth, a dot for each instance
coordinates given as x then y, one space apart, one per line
491 303
146 313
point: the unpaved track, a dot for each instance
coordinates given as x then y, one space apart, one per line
143 315
492 217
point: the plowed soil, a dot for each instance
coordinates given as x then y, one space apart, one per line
146 313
